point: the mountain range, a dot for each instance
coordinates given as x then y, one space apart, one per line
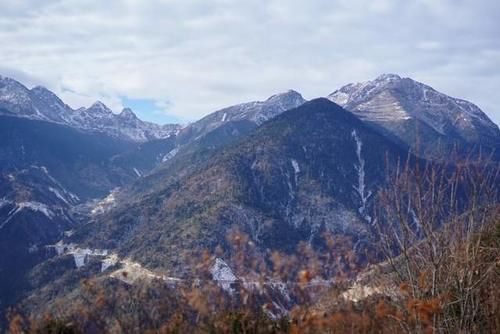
90 185
39 103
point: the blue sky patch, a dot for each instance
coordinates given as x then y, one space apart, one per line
150 110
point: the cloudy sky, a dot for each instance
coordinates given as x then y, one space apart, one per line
177 60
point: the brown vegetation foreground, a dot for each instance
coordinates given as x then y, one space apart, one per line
437 227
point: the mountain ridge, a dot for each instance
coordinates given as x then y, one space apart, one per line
400 105
42 104
278 181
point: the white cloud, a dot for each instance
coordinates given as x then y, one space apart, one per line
200 55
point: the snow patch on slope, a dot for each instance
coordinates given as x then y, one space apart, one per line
58 195
223 275
37 207
137 172
295 166
360 188
33 206
296 169
68 196
170 155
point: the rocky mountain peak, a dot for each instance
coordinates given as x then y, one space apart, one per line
286 95
41 90
40 103
288 99
100 107
8 85
48 96
388 77
15 98
390 99
9 81
128 114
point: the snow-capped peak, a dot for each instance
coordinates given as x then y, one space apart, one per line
390 98
48 97
15 98
98 106
8 85
388 77
40 103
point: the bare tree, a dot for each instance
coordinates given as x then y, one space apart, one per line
431 223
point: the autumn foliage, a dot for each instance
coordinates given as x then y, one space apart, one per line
437 232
